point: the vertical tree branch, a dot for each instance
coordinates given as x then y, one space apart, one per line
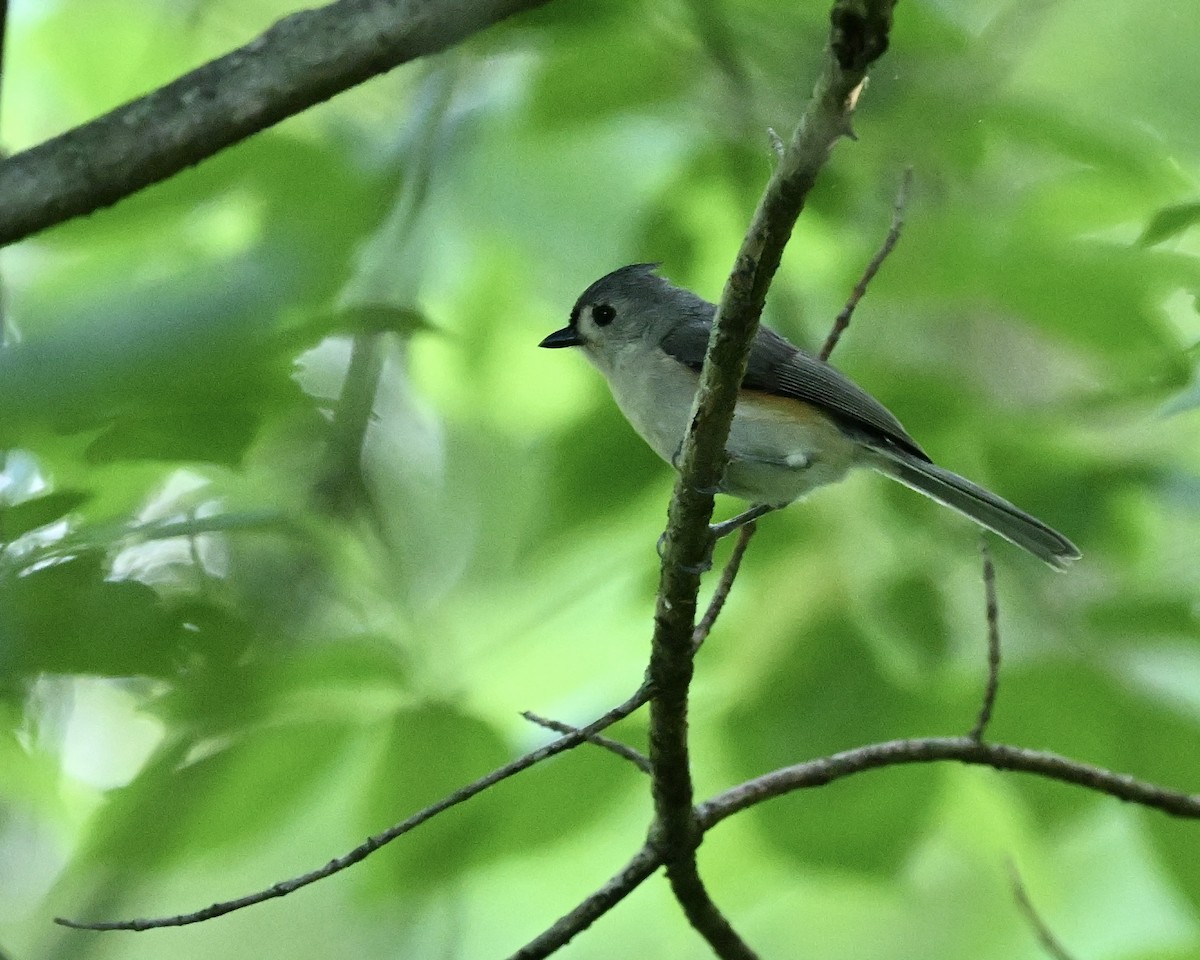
858 36
703 914
992 616
342 486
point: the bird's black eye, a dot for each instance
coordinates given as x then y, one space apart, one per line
603 314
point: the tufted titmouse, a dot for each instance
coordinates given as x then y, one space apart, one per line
799 423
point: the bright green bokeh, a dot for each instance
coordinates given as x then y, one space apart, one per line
227 655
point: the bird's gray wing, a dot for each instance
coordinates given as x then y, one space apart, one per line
778 367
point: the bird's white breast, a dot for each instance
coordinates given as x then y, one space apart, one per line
655 393
779 450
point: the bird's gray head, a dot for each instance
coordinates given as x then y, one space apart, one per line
628 305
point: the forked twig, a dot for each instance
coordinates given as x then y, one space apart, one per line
623 750
859 34
876 756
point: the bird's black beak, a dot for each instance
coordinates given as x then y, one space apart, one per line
566 337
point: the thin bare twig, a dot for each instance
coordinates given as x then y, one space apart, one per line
813 773
825 770
369 846
594 906
623 750
724 585
891 753
993 641
1045 935
860 289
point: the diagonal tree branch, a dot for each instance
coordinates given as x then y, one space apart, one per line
302 60
371 844
593 907
1045 936
622 750
842 321
813 773
724 586
630 876
858 36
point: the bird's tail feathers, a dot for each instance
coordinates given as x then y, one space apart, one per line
980 505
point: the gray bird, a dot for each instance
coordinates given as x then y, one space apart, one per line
799 423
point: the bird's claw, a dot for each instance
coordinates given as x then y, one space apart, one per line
725 528
676 461
696 570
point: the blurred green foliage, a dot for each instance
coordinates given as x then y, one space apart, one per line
254 607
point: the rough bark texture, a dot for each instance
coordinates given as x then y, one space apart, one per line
302 60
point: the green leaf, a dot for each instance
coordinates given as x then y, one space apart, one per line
218 434
297 206
179 809
29 515
830 696
1170 222
358 318
908 614
237 679
67 618
1136 617
149 355
652 74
